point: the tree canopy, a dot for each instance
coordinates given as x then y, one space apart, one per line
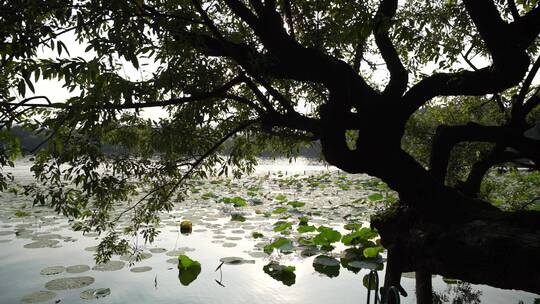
363 78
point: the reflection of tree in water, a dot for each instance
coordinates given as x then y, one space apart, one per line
460 293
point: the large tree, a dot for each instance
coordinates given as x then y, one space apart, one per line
283 73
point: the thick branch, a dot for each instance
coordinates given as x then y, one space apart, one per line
520 109
448 136
489 80
532 103
507 48
479 169
398 74
300 63
513 10
526 29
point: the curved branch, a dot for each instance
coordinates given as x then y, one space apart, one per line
507 46
297 62
398 74
448 136
513 10
520 107
479 169
489 80
527 27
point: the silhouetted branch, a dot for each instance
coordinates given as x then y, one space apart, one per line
398 74
513 9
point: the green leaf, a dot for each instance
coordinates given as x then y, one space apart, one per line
352 226
188 270
305 229
282 226
296 204
303 220
372 252
375 197
326 265
281 197
238 218
326 236
236 201
279 210
279 244
359 237
256 235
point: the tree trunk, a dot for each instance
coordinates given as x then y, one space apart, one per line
501 250
424 288
436 229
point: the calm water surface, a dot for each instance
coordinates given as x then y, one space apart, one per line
331 199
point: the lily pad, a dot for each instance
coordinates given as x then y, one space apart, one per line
326 265
257 254
236 261
134 258
91 294
69 283
283 245
77 268
235 201
375 197
233 238
91 248
229 245
308 252
109 266
284 274
38 296
296 204
238 218
42 237
141 269
157 250
42 244
52 270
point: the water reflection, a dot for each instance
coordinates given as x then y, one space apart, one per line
460 293
296 271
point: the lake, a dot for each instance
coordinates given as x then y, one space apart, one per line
38 248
